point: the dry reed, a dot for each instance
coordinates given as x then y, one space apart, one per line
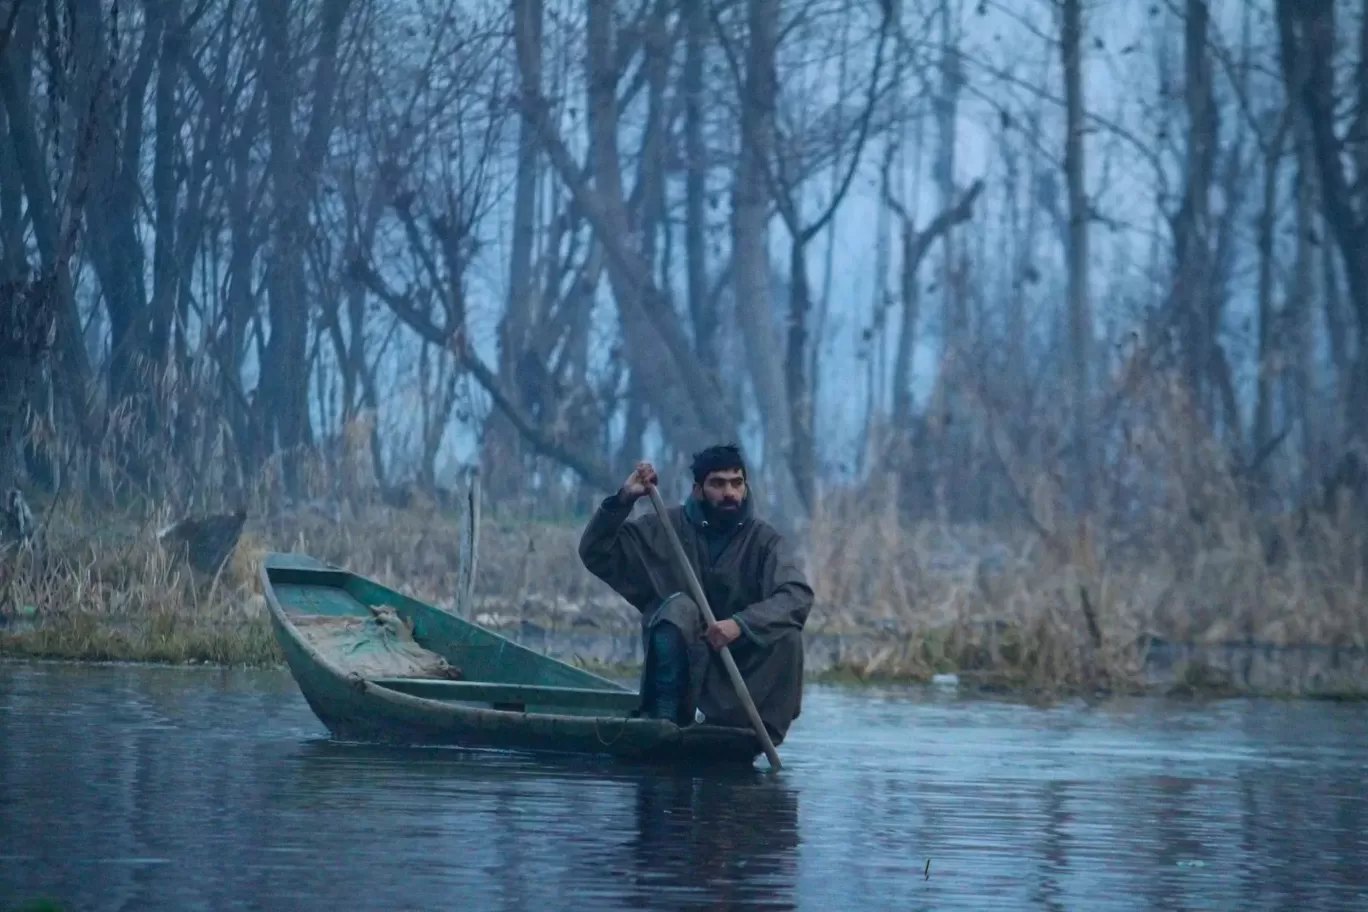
910 599
1040 602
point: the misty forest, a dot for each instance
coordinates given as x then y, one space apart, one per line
1043 323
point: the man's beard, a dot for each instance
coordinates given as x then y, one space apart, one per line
726 513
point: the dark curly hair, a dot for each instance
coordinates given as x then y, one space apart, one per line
721 458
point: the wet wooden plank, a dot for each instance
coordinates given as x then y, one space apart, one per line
608 701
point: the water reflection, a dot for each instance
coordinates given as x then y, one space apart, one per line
732 840
1055 820
159 789
602 833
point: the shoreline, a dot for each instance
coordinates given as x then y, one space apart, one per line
1012 625
1192 671
962 686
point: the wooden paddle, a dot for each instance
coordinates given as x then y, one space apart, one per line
696 590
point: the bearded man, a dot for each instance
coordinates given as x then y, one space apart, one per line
754 584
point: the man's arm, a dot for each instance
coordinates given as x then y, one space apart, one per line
613 549
787 601
601 545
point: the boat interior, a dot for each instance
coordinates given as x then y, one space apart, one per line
404 645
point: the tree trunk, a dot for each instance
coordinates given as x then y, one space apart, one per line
955 475
282 395
502 450
165 272
1080 312
1306 30
750 253
72 374
702 309
803 448
915 246
1270 358
1192 266
13 263
112 210
663 364
240 300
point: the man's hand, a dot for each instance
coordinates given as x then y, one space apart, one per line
723 633
634 488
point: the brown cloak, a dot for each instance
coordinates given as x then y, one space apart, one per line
755 580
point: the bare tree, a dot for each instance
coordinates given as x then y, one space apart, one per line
1080 309
1307 38
282 395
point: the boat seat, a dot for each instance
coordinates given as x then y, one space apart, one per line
514 697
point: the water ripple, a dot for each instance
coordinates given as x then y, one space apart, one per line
144 788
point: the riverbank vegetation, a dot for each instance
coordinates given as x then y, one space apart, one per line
1033 411
1013 608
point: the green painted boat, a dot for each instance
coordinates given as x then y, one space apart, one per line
377 666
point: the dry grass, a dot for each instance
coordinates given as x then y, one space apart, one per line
114 594
1075 609
1009 606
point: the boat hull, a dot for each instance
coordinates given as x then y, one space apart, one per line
360 709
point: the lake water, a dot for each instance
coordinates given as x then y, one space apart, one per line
138 788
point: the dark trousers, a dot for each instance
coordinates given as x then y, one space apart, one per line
682 673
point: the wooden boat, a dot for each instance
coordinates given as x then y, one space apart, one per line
378 666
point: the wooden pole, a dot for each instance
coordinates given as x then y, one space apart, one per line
696 590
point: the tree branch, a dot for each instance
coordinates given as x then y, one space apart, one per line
456 342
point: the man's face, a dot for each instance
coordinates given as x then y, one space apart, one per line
724 490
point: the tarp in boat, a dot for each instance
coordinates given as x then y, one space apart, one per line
381 646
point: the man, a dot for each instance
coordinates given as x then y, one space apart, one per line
756 589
